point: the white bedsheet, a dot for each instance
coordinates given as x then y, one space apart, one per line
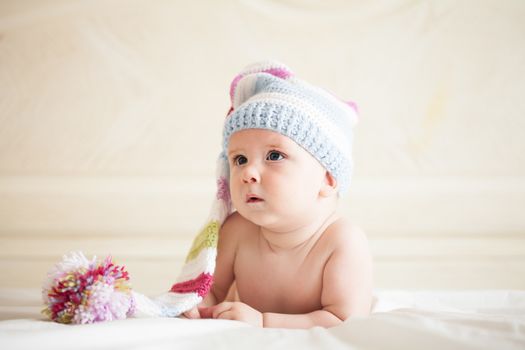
481 319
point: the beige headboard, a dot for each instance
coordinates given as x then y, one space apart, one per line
111 114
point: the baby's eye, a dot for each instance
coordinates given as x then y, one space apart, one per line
240 160
274 156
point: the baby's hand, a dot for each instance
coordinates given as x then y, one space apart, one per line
192 313
233 311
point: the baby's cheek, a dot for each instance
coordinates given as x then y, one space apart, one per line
235 196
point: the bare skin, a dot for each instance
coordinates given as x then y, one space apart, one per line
286 257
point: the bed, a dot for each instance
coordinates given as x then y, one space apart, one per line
401 319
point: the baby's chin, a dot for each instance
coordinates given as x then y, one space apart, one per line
270 220
257 214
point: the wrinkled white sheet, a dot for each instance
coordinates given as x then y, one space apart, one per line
480 319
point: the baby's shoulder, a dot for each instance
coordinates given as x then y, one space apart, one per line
236 226
344 234
236 220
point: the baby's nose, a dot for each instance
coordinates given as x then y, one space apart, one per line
251 174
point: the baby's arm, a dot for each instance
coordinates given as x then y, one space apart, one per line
347 284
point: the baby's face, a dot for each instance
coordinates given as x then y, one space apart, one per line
274 182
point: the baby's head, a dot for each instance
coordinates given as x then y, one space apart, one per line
293 133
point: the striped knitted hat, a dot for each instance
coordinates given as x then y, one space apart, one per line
266 96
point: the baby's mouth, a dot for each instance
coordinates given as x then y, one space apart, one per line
253 199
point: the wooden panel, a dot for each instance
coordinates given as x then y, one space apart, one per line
95 206
439 206
451 274
127 205
154 247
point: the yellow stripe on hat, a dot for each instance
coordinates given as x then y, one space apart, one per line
207 238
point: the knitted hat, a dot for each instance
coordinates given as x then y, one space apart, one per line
266 96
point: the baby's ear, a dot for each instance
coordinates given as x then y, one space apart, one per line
329 186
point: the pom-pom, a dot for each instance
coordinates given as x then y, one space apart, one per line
80 291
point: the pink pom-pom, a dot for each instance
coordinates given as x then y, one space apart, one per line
80 291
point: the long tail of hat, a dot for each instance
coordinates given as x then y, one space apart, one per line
196 277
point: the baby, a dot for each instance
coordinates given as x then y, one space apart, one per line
285 257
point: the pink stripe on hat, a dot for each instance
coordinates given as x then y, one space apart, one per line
275 69
354 106
200 285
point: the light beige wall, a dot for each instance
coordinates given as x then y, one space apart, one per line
110 117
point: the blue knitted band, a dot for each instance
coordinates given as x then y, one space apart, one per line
269 99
